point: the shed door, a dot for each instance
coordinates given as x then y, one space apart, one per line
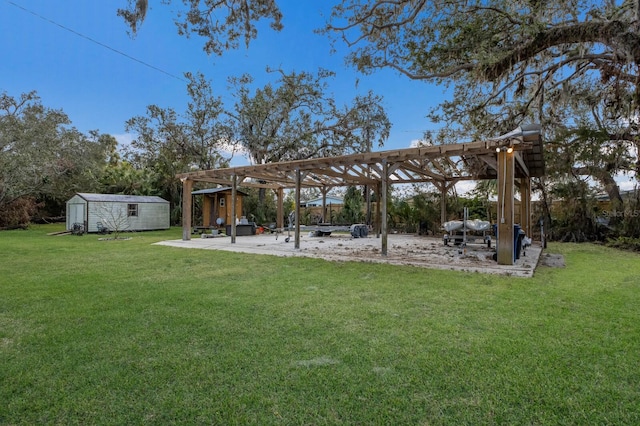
76 213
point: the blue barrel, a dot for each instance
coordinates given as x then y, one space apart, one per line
516 241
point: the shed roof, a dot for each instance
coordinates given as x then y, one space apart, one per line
214 191
120 198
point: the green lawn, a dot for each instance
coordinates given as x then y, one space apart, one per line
124 332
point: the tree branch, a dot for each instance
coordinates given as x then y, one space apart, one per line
612 34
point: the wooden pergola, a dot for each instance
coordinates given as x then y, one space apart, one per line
515 156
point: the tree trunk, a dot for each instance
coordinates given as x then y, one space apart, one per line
612 189
608 182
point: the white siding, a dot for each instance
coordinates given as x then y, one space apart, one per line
73 207
151 215
110 214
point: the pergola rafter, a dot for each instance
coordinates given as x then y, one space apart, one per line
442 165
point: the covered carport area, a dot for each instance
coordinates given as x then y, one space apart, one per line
513 158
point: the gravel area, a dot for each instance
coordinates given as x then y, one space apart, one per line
402 249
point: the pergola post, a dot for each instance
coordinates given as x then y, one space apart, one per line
384 189
234 195
367 200
297 214
378 214
324 203
525 205
443 202
506 169
187 200
280 218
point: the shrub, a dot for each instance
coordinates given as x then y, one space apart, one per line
18 213
624 243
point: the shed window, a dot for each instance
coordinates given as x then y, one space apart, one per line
132 210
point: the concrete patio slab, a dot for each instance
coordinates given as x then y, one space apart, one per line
402 249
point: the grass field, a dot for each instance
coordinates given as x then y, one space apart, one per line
125 332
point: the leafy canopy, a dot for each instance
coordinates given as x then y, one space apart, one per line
222 23
41 155
296 118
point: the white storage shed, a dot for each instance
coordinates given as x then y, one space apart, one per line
126 212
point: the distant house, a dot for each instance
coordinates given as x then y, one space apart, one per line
315 212
317 202
127 212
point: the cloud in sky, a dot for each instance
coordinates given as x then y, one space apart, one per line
124 139
626 182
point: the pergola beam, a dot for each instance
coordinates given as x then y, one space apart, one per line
524 170
187 185
318 165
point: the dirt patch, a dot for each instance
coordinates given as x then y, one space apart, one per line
552 260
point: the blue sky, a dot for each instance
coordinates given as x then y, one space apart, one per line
100 89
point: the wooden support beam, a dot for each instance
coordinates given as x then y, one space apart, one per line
421 171
384 189
521 164
324 191
375 172
280 208
297 214
490 160
234 197
390 168
438 166
506 170
367 203
187 201
349 175
525 205
378 213
444 190
443 203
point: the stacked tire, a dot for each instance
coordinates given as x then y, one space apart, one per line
359 230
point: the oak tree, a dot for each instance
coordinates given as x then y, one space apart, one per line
42 157
298 119
572 66
170 142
